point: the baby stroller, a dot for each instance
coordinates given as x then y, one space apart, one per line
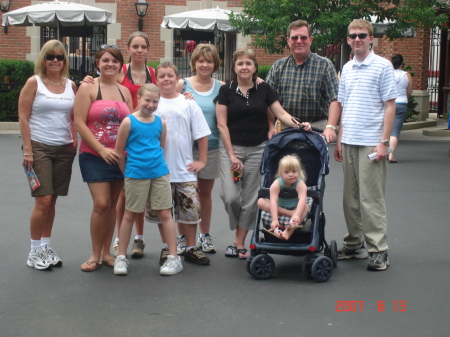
312 149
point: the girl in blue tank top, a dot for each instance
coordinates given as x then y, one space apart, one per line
143 135
290 175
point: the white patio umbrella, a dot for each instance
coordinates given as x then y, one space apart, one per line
51 13
213 19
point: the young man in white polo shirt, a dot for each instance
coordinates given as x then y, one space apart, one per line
367 95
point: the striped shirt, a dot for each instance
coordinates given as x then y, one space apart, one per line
363 89
305 90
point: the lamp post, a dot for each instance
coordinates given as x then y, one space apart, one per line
4 7
141 10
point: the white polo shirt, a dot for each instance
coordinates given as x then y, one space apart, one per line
363 89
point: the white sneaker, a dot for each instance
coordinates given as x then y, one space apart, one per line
206 243
37 259
181 244
52 256
120 265
172 266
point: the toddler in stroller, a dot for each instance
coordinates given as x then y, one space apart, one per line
309 238
290 176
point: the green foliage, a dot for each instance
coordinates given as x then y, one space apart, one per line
13 75
153 64
269 19
263 70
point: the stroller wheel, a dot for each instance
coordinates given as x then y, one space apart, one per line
322 269
334 253
306 267
248 262
262 267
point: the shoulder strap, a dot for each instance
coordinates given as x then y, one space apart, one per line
151 77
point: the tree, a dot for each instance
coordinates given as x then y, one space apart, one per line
268 19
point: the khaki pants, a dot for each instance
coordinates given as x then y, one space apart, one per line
364 199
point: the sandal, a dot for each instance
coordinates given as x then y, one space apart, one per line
90 265
231 251
274 234
243 252
109 262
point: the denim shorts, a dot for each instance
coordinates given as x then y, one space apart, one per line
400 114
95 170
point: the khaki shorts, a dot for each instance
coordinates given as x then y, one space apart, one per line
155 191
53 167
186 204
211 169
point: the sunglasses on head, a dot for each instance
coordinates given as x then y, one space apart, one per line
361 36
107 46
297 122
295 38
51 57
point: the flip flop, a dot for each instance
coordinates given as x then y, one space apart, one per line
243 252
90 265
231 251
274 234
109 262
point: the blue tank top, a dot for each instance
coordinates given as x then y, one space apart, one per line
145 158
206 103
288 203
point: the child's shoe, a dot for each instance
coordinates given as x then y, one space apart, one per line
172 266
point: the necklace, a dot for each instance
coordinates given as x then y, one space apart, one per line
52 82
139 78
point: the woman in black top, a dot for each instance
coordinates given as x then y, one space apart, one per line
243 121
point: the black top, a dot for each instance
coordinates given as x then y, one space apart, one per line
148 78
99 93
247 114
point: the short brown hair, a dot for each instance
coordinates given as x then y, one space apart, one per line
244 52
361 24
209 52
298 24
113 51
167 65
51 47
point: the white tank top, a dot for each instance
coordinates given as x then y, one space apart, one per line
51 115
401 82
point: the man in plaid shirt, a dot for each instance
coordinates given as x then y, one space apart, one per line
306 84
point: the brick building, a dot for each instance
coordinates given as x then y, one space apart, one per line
168 44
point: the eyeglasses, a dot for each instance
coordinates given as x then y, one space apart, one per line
51 57
107 46
295 38
361 36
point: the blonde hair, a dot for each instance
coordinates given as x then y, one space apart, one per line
167 65
148 87
138 34
51 47
209 52
291 162
244 52
361 24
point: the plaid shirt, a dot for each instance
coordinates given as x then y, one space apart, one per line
306 90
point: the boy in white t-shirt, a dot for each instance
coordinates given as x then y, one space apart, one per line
185 123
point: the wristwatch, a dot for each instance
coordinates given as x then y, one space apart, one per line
331 126
385 142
